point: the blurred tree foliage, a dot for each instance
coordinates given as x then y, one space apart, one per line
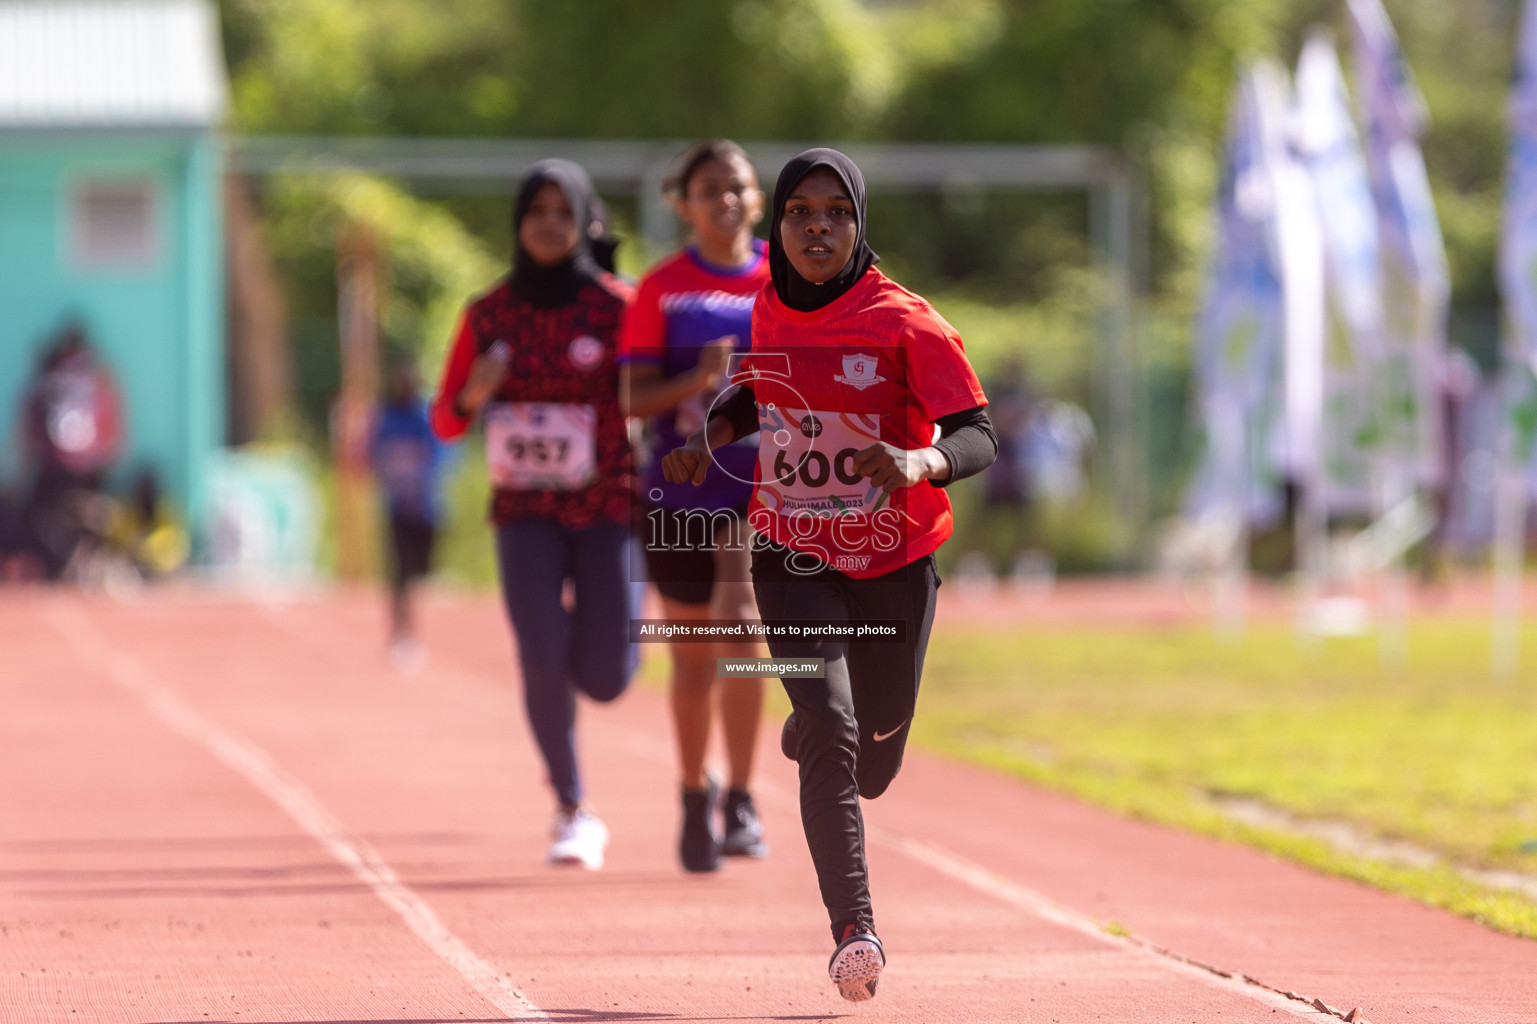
433 265
1151 77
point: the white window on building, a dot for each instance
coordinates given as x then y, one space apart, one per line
114 224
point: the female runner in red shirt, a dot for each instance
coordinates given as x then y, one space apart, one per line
534 358
848 378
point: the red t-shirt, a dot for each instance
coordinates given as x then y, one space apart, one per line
555 434
876 364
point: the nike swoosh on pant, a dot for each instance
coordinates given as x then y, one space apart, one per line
877 737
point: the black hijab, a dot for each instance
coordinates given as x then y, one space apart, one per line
793 290
548 287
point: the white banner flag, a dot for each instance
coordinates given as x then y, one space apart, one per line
1415 282
1298 441
1330 147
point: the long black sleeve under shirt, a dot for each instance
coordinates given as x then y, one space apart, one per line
966 438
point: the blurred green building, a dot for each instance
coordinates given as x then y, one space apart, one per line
111 216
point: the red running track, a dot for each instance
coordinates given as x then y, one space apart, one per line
223 809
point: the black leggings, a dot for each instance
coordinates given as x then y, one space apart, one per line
853 723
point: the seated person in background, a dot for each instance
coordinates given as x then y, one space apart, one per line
17 562
73 434
144 530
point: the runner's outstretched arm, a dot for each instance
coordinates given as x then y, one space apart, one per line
644 391
967 446
689 463
968 443
740 409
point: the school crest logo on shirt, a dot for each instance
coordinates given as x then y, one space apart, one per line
858 372
586 352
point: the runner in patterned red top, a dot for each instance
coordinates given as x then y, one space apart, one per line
560 355
534 361
849 379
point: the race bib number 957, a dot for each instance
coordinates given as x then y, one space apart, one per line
541 446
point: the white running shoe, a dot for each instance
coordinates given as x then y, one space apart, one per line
408 655
856 966
580 838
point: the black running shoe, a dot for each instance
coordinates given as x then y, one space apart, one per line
856 966
744 832
789 739
699 845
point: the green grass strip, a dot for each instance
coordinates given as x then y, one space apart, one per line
1153 724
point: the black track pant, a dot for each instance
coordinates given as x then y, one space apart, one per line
853 724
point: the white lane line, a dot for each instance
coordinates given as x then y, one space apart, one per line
1004 890
469 690
256 767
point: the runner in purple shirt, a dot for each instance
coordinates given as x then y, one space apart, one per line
691 313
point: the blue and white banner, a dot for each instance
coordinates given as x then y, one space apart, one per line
1518 249
1330 147
1518 244
1414 278
1518 288
1243 325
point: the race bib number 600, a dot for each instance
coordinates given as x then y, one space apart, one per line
541 446
806 462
